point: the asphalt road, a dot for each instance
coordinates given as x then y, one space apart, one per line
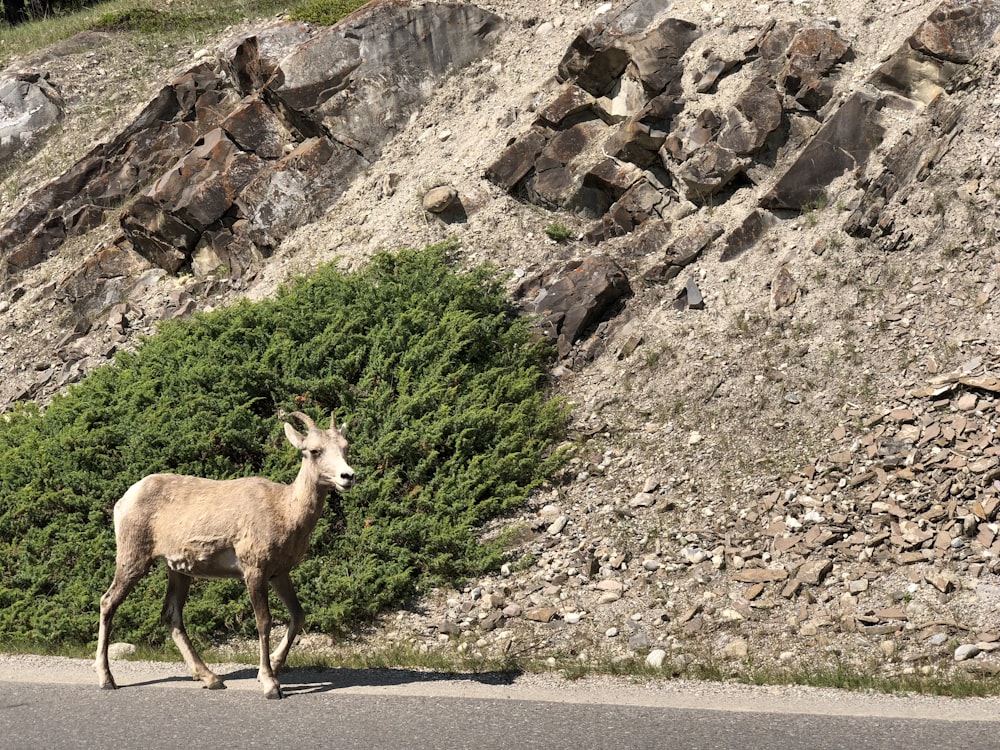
55 703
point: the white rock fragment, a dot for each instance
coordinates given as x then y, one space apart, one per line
120 650
655 658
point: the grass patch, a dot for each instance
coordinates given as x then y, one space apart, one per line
445 394
323 12
558 232
182 21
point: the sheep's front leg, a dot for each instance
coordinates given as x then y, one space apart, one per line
282 586
257 588
124 581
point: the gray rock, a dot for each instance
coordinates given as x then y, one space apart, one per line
967 651
639 641
571 298
360 80
844 142
29 105
558 525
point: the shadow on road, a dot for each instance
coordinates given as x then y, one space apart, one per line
305 680
323 680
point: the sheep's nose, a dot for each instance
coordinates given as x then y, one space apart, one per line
347 478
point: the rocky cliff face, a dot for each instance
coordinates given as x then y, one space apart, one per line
774 309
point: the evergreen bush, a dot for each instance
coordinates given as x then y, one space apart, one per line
444 393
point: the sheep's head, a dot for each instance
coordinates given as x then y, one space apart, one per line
325 451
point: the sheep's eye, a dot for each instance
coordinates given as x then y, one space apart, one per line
314 452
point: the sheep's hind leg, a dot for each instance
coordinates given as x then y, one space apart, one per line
178 586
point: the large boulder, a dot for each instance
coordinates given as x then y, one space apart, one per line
844 142
361 79
29 105
571 298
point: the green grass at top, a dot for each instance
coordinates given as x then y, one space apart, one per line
445 395
178 22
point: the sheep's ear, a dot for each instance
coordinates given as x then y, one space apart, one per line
293 436
343 429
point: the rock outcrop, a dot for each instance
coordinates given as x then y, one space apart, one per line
232 156
620 143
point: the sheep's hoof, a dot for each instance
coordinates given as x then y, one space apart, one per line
215 684
109 685
274 693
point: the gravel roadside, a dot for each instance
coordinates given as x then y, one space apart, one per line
530 687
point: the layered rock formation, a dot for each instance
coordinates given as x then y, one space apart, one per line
620 144
229 157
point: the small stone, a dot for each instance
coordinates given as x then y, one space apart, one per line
941 582
967 651
608 597
120 650
439 199
784 289
609 585
651 565
558 525
857 587
572 618
540 614
760 575
549 512
611 632
655 658
642 500
814 571
492 601
967 402
512 610
737 649
694 555
888 648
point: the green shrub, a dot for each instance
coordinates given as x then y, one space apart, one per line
444 392
558 232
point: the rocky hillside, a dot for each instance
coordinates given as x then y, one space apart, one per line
762 235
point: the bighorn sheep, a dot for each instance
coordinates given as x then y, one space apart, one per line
248 528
